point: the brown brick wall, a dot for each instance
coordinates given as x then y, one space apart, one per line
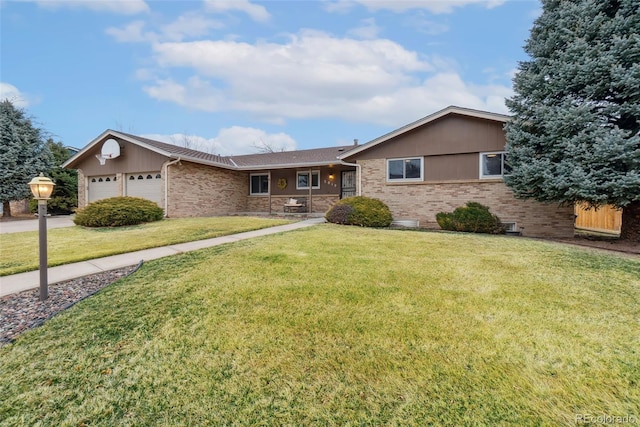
320 203
19 207
258 204
198 190
423 200
82 189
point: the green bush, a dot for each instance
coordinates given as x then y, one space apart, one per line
364 211
473 218
339 214
57 205
118 211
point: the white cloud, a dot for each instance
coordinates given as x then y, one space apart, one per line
235 140
131 33
10 92
255 11
420 23
368 29
309 59
433 6
315 75
123 7
189 25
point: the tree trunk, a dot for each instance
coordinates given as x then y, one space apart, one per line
6 209
631 222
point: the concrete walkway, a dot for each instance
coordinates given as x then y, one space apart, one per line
31 279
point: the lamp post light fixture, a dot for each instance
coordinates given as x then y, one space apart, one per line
41 188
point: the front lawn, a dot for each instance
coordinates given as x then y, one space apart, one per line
335 325
19 251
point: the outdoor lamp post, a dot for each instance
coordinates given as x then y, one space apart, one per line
42 187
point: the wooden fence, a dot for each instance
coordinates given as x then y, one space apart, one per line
606 218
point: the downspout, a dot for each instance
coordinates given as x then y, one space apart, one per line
269 185
166 185
358 172
310 204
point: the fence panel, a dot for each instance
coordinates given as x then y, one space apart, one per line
606 218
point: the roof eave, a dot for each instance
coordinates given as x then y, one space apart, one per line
203 162
289 165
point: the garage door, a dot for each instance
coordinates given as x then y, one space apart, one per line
102 187
147 185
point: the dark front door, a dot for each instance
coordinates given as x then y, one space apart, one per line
348 187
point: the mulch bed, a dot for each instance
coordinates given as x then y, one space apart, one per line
609 243
24 310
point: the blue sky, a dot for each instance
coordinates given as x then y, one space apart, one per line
227 77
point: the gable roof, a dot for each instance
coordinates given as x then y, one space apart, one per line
167 150
284 159
423 121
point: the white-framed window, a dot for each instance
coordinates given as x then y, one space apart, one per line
494 165
510 226
259 183
409 169
302 180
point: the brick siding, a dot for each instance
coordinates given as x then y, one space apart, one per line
423 200
199 190
82 189
320 203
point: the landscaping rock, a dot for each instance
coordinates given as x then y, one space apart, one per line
22 311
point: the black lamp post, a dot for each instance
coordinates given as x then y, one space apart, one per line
41 188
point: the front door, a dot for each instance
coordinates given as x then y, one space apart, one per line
348 187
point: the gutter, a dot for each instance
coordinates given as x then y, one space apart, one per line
359 173
166 185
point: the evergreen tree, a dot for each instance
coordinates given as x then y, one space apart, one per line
23 154
575 134
64 199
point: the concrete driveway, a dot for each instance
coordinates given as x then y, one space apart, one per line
19 225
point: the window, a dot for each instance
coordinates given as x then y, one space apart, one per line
259 184
302 183
494 165
405 169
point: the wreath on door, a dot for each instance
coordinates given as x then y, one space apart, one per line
282 183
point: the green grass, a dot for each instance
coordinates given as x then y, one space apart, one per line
342 326
19 251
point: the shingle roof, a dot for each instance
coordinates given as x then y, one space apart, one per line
284 159
316 156
181 151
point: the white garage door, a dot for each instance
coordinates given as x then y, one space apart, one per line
147 185
102 187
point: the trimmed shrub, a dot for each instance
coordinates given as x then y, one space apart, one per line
473 218
117 212
339 214
360 210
